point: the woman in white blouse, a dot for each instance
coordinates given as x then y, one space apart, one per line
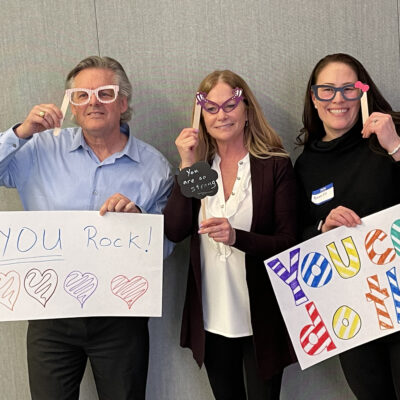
231 317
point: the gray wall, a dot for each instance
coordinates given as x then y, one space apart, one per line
167 47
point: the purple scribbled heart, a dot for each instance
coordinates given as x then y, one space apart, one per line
81 286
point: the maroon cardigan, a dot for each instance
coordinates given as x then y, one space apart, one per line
273 230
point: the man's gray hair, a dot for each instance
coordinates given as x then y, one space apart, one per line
121 79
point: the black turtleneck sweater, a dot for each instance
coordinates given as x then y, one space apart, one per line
364 181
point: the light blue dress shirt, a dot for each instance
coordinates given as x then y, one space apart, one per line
63 173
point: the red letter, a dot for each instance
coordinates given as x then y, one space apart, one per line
314 338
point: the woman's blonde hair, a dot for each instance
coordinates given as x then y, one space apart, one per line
260 139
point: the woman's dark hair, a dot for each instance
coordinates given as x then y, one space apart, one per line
312 125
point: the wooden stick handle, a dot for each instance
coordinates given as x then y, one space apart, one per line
196 117
364 107
64 108
203 209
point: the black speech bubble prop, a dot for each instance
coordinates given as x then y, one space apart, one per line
198 181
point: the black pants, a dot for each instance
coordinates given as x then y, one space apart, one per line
117 347
225 359
372 370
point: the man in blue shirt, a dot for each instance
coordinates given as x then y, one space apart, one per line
97 166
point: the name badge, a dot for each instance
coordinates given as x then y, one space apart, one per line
322 195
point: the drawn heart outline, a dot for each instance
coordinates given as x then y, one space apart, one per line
10 284
41 286
80 285
129 290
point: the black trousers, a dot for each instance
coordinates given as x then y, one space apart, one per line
232 370
117 347
372 370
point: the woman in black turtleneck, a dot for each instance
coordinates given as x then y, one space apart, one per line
349 170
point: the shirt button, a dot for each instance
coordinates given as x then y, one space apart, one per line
95 192
240 162
233 193
14 145
238 178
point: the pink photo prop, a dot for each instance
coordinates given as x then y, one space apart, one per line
363 86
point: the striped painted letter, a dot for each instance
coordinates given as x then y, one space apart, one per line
314 338
346 323
316 270
378 258
290 276
395 235
394 287
354 264
378 296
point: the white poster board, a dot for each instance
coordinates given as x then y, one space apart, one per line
56 264
340 289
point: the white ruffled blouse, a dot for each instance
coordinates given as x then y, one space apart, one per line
226 306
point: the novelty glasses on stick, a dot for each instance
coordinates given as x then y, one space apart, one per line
104 94
328 92
227 106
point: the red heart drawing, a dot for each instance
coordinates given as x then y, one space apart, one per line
41 286
10 284
129 290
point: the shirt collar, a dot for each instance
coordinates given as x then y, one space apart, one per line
244 160
130 150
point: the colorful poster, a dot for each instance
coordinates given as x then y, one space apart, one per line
341 288
57 264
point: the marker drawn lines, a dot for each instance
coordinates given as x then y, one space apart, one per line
36 259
